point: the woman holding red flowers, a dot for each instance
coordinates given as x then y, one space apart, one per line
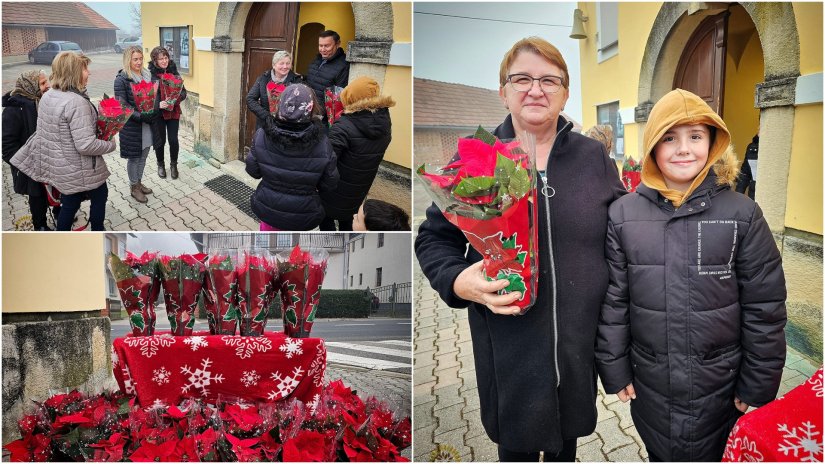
136 136
536 374
257 100
168 123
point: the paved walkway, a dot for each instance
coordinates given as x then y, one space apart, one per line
446 397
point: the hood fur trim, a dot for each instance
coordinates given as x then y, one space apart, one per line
372 104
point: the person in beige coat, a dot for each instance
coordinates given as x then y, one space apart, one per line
64 151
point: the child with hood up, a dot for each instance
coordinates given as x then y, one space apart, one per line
692 326
293 158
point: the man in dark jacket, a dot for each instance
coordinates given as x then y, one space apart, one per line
330 68
746 182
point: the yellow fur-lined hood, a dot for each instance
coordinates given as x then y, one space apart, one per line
372 104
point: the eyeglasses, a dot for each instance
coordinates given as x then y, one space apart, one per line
524 82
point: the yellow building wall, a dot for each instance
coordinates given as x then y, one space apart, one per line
336 16
809 26
201 17
398 84
741 117
402 21
804 211
53 272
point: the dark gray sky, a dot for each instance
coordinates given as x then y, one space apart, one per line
116 12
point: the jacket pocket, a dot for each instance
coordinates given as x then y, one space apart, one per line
714 374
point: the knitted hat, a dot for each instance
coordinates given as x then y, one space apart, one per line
361 88
296 104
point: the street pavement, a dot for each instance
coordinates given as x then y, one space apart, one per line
445 393
185 204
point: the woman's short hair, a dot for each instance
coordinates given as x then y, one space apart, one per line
156 53
67 71
540 47
127 60
280 55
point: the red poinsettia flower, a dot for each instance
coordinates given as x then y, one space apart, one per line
299 256
205 442
185 450
111 449
27 424
306 446
270 444
149 452
71 419
356 448
402 436
32 448
243 448
111 107
244 418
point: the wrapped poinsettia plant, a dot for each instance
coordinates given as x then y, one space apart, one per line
631 174
144 94
182 281
138 284
112 115
301 277
488 190
221 293
256 287
332 103
273 94
171 87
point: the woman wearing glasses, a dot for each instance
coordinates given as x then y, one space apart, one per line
536 376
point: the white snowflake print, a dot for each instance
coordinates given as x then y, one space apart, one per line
286 384
196 342
318 366
292 346
200 378
115 358
128 383
250 378
248 345
149 346
745 447
157 404
816 383
161 376
801 440
313 405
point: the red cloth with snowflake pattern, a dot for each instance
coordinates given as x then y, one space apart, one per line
784 430
268 368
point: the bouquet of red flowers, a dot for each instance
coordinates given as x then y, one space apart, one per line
332 103
111 117
488 190
631 174
144 93
138 283
170 88
256 281
221 294
182 280
301 275
273 93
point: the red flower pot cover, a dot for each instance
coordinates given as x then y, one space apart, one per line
631 180
301 276
256 283
138 284
170 88
111 117
221 295
182 279
332 103
273 94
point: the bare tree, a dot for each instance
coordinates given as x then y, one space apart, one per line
134 15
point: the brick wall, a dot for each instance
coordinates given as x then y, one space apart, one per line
21 40
436 146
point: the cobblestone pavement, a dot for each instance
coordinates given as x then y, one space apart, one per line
177 205
446 399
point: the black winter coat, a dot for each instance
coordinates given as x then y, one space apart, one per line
257 99
131 136
694 315
334 72
536 373
19 123
359 140
294 164
171 68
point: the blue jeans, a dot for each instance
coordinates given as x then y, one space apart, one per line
71 203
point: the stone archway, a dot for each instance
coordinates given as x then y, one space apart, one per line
368 53
776 25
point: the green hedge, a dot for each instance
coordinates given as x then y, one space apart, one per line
334 303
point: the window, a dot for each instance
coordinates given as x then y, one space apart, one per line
360 279
378 277
261 241
380 240
283 241
176 41
350 281
608 25
609 114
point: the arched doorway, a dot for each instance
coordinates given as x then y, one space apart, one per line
307 46
270 27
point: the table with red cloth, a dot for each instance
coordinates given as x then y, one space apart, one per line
164 369
786 429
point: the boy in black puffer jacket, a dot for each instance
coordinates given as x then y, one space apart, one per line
294 160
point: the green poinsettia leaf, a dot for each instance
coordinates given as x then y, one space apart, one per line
519 183
291 317
504 168
484 136
137 321
510 243
516 283
475 186
191 323
124 406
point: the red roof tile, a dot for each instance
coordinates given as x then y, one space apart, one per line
54 14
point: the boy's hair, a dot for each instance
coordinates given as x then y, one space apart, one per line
383 216
67 71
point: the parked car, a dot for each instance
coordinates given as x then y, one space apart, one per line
45 52
128 42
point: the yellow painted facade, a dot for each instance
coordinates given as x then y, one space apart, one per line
805 188
53 272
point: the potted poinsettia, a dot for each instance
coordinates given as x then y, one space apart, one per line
631 174
301 276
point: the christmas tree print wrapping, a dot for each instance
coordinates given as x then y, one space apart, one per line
301 274
171 87
332 103
221 294
182 280
273 94
144 93
112 115
138 284
488 190
256 282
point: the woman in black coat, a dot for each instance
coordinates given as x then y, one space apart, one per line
19 123
359 139
536 373
169 120
136 137
257 100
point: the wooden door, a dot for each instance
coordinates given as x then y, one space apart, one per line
701 68
270 27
